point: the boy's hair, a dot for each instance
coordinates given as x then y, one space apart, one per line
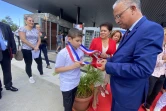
73 32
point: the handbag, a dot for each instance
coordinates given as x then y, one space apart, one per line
19 55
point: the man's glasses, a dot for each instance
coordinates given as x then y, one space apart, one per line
118 16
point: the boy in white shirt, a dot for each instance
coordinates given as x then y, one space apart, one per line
68 69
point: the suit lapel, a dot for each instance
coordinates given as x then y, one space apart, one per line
3 31
126 38
131 33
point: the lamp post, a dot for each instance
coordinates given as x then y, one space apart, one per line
46 18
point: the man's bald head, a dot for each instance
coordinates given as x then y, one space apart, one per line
128 3
126 12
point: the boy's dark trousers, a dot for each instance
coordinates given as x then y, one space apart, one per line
68 99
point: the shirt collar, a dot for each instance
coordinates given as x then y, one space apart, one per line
131 28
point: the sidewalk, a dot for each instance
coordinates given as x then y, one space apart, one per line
51 56
44 95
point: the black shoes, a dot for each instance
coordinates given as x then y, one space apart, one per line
11 88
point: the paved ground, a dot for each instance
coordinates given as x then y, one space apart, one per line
44 95
51 56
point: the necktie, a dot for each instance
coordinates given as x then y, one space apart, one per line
2 44
125 35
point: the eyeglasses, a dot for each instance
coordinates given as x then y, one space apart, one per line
118 16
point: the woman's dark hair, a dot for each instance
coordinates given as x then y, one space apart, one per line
108 25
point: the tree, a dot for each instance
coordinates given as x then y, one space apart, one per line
8 20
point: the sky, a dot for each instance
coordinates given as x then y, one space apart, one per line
16 13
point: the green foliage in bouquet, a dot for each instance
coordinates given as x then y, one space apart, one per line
87 81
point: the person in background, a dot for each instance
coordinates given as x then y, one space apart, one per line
107 47
59 41
69 71
43 45
161 102
7 51
134 61
116 35
63 41
164 85
66 40
16 33
30 41
157 78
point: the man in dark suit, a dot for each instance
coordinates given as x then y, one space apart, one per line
7 51
135 58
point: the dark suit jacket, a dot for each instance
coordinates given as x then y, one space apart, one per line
134 62
8 35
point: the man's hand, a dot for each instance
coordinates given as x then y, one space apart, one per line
103 55
102 63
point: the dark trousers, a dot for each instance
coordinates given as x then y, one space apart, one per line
117 107
43 48
155 85
27 54
68 99
0 86
164 85
6 69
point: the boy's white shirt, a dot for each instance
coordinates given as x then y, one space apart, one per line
69 79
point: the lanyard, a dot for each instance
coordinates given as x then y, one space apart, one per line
70 49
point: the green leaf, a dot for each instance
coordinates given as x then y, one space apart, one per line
87 81
54 73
